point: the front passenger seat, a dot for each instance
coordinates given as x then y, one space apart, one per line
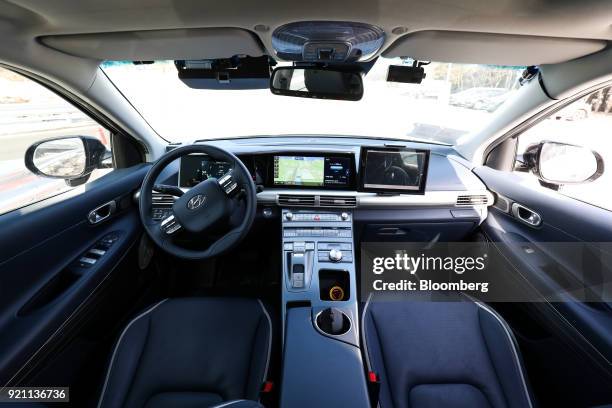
442 354
191 352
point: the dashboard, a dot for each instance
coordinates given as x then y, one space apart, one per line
381 179
393 189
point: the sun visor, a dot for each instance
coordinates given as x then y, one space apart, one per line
179 44
485 48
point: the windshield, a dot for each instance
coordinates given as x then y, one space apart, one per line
453 99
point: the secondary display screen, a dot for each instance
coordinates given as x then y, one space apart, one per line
311 171
394 169
197 168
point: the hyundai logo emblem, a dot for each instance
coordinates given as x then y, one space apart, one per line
196 201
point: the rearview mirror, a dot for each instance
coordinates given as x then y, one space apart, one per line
317 83
70 158
559 163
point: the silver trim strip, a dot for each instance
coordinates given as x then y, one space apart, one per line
269 340
112 360
363 332
228 403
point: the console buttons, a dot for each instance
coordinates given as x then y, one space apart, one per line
332 255
316 217
297 280
344 233
336 293
317 232
326 246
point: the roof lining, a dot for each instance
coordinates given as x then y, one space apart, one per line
185 43
490 48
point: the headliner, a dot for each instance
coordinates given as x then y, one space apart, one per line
586 19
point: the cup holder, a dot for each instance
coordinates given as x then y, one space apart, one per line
333 321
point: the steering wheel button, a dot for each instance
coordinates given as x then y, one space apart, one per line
173 229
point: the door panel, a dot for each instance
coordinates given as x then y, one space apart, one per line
563 220
42 280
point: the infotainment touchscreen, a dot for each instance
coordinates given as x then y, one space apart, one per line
394 169
312 171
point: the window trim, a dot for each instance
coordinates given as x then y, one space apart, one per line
85 108
80 104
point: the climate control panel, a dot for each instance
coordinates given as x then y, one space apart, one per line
289 216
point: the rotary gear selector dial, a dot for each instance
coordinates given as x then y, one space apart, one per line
335 255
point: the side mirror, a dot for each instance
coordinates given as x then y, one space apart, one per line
321 83
71 158
558 163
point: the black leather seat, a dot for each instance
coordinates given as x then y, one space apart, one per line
442 354
191 352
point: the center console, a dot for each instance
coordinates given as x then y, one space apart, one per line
321 322
319 268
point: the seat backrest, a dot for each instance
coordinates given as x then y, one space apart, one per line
198 350
442 354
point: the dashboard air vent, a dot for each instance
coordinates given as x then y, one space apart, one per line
471 200
338 201
296 200
162 199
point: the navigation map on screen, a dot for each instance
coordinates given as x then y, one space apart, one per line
299 170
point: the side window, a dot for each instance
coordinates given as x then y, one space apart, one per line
30 113
571 151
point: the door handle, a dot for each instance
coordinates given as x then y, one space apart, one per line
526 215
102 212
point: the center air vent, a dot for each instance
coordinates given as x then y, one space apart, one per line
299 200
471 200
338 201
160 199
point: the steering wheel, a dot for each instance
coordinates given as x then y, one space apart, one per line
205 206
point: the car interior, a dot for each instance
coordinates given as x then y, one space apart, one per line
197 231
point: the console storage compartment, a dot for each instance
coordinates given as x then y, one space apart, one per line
334 285
319 371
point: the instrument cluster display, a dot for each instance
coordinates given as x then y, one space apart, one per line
196 168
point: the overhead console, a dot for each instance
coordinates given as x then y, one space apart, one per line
327 41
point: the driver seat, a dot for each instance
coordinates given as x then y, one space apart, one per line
191 352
